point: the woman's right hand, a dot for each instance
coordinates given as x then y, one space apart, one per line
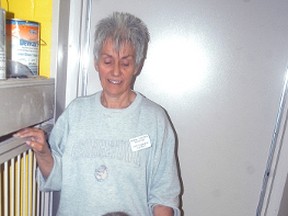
36 139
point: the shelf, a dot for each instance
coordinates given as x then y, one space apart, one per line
25 102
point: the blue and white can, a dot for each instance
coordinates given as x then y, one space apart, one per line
22 44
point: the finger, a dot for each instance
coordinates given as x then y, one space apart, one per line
23 132
35 146
31 144
31 132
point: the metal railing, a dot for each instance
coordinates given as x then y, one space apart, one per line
18 187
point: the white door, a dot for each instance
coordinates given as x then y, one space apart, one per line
218 68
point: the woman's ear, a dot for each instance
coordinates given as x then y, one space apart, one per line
96 65
138 69
136 72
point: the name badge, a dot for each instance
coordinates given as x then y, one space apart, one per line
140 142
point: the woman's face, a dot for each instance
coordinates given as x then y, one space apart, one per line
116 69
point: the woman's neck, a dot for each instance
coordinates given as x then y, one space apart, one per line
118 102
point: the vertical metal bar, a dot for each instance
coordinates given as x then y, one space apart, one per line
42 203
29 180
6 185
45 212
271 155
38 203
12 188
51 203
24 188
85 28
47 203
18 183
1 185
34 192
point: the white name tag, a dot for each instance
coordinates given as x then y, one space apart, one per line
140 142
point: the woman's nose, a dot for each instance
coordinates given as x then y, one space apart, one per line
116 70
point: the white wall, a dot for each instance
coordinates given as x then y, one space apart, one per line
218 68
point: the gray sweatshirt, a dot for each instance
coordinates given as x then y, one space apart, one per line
109 160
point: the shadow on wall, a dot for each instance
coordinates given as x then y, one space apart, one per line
178 164
284 202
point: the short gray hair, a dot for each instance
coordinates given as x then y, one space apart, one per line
122 28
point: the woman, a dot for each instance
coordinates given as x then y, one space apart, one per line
113 150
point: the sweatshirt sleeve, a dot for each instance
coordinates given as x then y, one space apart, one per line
165 185
57 140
